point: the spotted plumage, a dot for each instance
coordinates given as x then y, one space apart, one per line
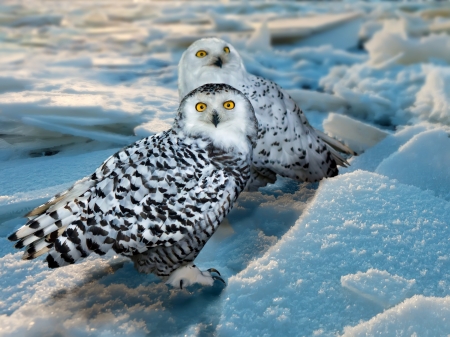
287 144
159 200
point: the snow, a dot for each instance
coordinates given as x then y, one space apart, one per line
296 285
433 99
417 316
422 162
388 46
379 286
364 253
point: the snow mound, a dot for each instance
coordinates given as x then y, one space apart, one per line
375 155
423 162
356 221
379 286
417 316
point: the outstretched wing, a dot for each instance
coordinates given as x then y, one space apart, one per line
151 193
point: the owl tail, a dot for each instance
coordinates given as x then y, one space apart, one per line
335 144
49 221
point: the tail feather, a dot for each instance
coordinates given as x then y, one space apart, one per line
49 221
44 250
45 228
335 144
60 199
341 161
32 227
36 249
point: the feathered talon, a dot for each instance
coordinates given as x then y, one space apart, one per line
218 278
213 270
215 277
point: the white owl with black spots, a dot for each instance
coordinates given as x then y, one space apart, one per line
287 144
159 200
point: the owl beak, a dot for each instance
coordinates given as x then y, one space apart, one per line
215 118
218 62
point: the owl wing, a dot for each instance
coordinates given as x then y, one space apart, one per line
149 194
288 145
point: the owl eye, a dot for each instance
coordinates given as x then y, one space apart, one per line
228 105
226 50
200 107
201 53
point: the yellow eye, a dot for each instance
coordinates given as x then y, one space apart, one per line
201 53
226 50
200 107
228 105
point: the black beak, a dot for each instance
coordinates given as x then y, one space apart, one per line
218 62
215 118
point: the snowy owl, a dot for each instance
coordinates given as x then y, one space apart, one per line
159 200
287 144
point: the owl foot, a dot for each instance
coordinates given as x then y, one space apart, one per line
190 274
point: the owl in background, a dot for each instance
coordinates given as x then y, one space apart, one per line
287 144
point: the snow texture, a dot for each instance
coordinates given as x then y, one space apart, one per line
379 286
362 254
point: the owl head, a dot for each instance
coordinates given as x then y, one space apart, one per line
209 60
220 113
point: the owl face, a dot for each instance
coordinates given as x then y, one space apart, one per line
209 60
220 113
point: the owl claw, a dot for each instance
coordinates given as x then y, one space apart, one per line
214 270
218 278
185 276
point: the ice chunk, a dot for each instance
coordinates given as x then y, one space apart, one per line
357 135
424 162
317 101
433 99
260 39
395 95
387 45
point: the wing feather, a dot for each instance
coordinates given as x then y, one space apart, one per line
151 194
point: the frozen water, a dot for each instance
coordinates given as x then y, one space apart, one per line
363 253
